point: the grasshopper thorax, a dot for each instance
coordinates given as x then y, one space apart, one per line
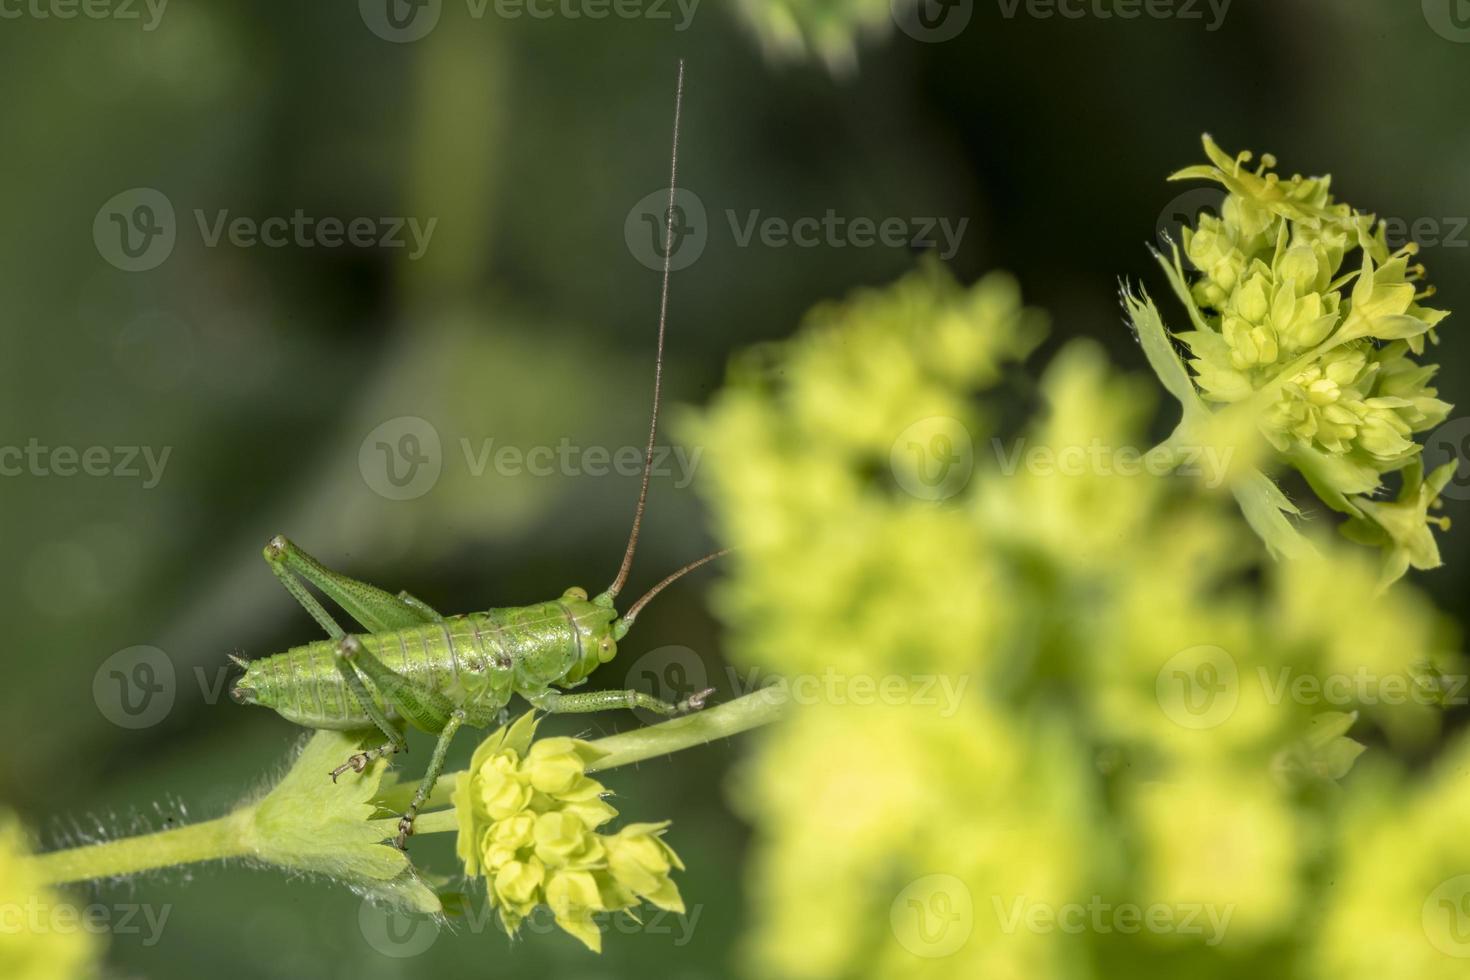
595 624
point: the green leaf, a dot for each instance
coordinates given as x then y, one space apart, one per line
1334 478
1159 349
1399 327
1265 508
310 825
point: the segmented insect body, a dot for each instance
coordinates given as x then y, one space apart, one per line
437 673
479 659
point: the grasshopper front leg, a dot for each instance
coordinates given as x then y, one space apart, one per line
554 702
431 777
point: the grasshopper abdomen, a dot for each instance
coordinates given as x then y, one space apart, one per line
480 658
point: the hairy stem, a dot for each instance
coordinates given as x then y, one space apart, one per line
229 836
208 841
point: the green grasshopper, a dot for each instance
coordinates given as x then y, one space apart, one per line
450 671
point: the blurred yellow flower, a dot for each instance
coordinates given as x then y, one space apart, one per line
1063 719
41 937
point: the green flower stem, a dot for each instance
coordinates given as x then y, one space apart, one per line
721 721
231 835
211 840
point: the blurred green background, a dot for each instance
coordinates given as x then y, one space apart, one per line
529 320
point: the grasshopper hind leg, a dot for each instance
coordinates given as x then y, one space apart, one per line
376 610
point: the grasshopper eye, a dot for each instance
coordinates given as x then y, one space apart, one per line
575 592
607 648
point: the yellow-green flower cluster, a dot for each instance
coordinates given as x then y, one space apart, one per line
528 821
1095 718
1304 316
32 944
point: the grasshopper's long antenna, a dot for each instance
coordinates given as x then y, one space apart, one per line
658 364
626 622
